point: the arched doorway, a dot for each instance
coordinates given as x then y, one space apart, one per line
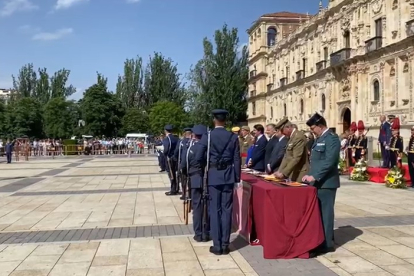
346 119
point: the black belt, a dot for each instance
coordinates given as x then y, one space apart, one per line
195 173
214 165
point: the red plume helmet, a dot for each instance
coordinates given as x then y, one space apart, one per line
396 124
353 126
361 125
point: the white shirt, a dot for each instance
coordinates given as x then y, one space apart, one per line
324 132
258 137
280 139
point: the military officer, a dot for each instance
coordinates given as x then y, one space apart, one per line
324 175
410 156
169 143
198 195
224 171
179 155
361 144
246 140
161 157
396 145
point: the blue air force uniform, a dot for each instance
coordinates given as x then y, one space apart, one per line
161 157
179 156
169 143
199 197
324 169
223 172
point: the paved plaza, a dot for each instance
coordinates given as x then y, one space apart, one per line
109 216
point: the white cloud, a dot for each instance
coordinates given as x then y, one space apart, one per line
133 1
58 34
12 6
64 4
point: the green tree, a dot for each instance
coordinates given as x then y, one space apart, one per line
26 81
101 110
130 86
221 78
58 85
24 117
60 118
135 121
162 81
43 86
163 113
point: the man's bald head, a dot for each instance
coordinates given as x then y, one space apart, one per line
382 118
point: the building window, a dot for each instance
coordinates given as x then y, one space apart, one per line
347 39
378 27
271 36
376 91
301 106
271 112
254 108
325 54
323 102
304 65
284 110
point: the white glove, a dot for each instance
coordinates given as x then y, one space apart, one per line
387 147
237 185
353 155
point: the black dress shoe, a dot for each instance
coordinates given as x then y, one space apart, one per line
215 251
225 250
182 197
197 238
170 193
206 238
162 170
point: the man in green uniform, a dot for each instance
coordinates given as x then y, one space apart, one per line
324 175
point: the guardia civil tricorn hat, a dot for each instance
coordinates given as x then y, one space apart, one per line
314 119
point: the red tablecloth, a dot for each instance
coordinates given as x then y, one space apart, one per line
286 219
377 175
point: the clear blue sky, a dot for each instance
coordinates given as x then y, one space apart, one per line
86 36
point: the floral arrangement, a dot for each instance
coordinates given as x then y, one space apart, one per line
395 178
341 166
359 173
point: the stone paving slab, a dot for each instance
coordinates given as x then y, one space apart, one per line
108 191
18 185
51 172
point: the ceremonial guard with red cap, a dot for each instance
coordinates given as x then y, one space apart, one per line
221 149
396 144
361 144
410 156
351 143
324 176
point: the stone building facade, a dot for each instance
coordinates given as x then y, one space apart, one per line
351 61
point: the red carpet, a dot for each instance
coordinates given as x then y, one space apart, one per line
377 175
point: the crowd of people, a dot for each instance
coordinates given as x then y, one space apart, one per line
208 166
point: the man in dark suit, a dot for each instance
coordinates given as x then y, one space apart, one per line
169 143
271 143
224 171
324 175
257 161
278 152
9 150
384 140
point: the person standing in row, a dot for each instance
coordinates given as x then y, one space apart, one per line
198 195
383 140
9 150
295 163
396 147
361 144
179 155
223 173
169 143
246 140
278 151
324 175
351 145
257 161
160 154
271 144
410 156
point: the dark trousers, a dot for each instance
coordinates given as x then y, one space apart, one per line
161 161
350 158
185 180
197 200
411 167
9 157
326 199
385 154
221 209
393 158
173 180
